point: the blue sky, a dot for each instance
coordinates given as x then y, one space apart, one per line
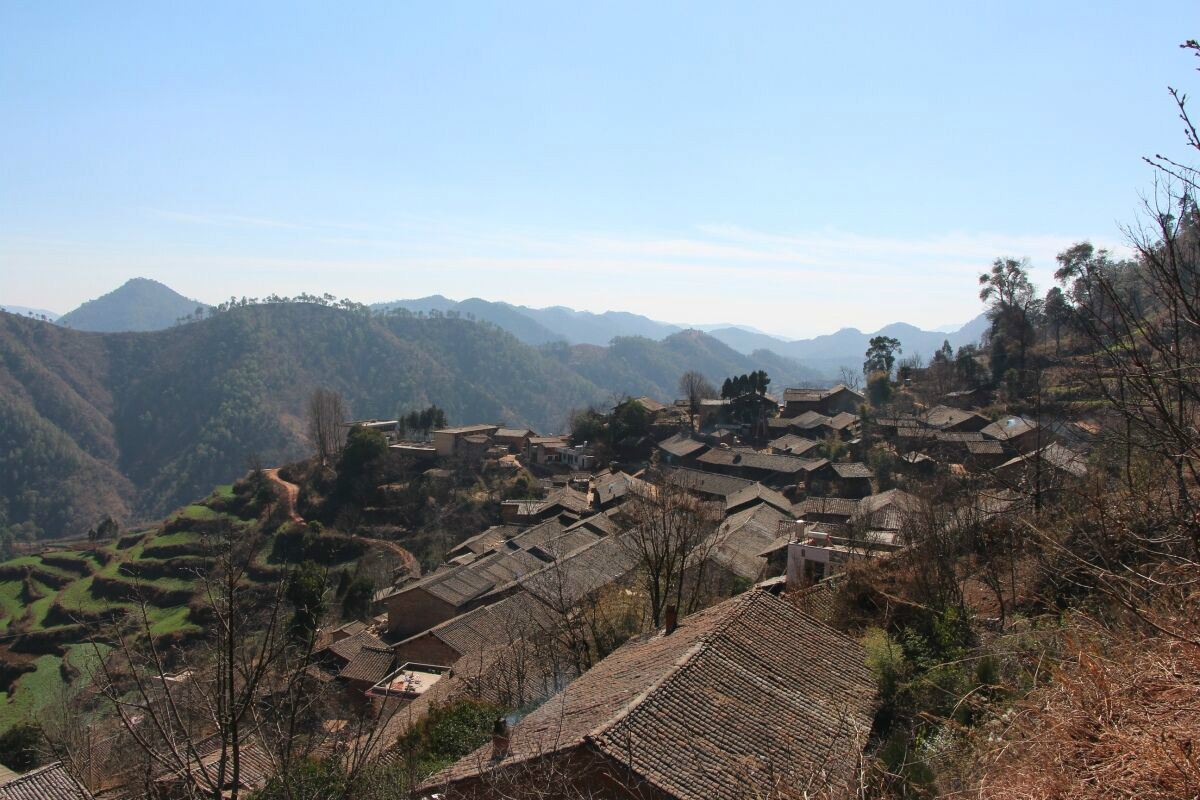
793 166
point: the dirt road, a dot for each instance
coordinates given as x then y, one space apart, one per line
290 493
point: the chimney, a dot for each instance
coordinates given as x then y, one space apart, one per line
670 619
499 739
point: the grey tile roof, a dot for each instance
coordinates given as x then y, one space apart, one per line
601 524
1008 428
349 647
948 417
574 576
486 540
826 506
464 429
743 536
751 459
708 483
757 494
372 664
738 696
487 626
796 445
681 445
608 488
852 469
51 782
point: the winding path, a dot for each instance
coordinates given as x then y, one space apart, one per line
291 493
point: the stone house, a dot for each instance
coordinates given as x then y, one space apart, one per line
449 442
828 402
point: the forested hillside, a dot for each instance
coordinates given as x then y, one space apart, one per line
134 424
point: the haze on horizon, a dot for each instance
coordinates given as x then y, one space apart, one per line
794 169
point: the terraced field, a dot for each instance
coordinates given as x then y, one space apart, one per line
51 602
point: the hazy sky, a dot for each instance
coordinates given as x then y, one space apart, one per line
793 166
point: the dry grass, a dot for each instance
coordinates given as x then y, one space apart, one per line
1120 719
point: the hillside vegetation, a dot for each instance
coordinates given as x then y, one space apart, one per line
134 425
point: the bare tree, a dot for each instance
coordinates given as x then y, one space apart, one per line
851 378
694 388
671 538
197 715
326 413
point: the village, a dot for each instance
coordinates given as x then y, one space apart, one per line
667 586
791 497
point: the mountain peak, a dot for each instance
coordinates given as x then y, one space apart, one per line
139 304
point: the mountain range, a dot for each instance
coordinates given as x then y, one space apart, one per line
135 424
825 354
146 305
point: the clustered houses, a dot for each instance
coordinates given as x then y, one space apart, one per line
794 501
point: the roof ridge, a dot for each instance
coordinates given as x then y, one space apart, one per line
737 605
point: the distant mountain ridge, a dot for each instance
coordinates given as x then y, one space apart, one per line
145 305
555 323
826 354
26 311
846 348
140 304
135 425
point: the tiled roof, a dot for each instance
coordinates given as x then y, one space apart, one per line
372 664
564 543
461 429
809 420
947 417
499 623
742 536
985 448
548 440
853 469
649 403
349 647
681 445
512 433
708 483
350 628
796 445
757 494
612 487
255 766
565 498
959 436
601 524
738 697
816 395
803 395
51 782
460 584
751 459
536 535
486 540
843 420
885 511
574 576
1054 455
828 506
1008 428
